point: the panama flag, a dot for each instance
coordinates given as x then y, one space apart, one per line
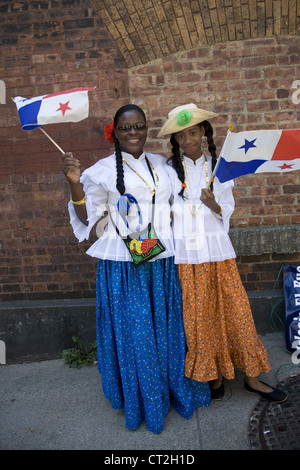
66 106
261 151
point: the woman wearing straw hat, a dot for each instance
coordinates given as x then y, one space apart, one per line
219 327
140 333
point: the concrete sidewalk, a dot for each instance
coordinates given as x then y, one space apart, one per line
47 406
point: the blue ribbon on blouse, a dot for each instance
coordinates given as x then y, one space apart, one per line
123 206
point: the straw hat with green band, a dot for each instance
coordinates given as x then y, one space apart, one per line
184 116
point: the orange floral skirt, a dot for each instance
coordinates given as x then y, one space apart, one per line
219 326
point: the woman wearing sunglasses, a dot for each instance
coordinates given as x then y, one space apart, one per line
140 334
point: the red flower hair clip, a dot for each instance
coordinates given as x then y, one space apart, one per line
108 132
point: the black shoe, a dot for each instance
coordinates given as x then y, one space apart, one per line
276 396
217 393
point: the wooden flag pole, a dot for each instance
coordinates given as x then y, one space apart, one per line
53 142
50 138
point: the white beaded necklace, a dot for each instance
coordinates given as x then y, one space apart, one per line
193 208
151 190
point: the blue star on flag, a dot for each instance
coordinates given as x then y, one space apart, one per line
248 145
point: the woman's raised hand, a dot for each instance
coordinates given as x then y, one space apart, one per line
71 168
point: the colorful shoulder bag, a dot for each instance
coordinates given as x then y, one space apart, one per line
142 245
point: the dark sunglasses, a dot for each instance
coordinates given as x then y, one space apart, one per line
128 127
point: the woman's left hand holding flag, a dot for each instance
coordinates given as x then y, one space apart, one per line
71 169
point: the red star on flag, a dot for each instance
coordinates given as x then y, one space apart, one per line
63 107
285 166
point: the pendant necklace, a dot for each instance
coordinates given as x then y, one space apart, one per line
192 208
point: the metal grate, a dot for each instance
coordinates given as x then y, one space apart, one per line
276 426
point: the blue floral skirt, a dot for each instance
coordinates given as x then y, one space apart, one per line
141 342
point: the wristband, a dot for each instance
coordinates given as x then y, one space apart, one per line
79 203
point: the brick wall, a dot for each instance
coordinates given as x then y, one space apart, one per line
57 45
152 29
263 272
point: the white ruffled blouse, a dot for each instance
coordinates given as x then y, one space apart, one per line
203 238
99 183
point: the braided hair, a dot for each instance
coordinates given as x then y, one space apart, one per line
119 162
175 159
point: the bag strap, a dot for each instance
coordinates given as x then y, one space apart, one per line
151 172
153 197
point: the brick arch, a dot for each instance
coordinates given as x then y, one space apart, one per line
151 29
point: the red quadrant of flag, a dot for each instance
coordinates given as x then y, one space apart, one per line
288 147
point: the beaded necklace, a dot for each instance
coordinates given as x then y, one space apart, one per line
151 190
192 208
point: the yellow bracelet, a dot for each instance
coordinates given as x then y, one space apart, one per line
79 203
